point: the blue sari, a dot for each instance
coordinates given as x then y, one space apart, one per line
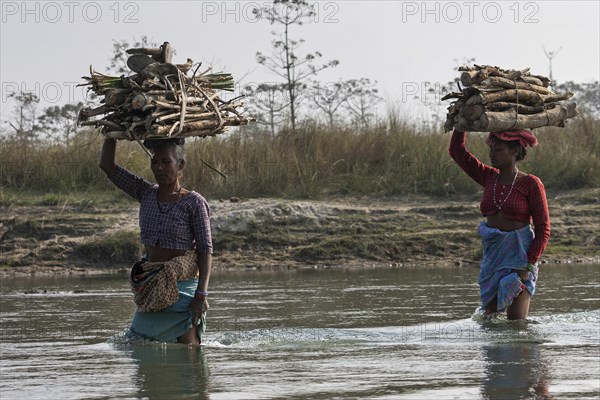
169 323
504 253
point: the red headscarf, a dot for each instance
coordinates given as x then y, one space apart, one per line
524 137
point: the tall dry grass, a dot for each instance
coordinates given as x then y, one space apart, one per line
391 158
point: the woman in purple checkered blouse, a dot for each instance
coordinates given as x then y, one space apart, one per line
173 221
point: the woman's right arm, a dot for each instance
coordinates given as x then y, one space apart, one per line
466 160
107 158
131 184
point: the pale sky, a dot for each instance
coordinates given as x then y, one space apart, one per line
47 46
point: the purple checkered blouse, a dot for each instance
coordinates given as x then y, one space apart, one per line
183 225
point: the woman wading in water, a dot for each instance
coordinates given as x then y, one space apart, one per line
171 285
511 200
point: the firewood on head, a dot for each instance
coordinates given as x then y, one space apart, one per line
497 99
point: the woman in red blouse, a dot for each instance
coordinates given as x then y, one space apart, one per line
511 201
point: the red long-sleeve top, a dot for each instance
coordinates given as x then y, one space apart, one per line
526 202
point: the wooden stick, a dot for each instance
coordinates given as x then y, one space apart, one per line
183 103
472 113
499 121
220 125
139 101
498 81
115 97
535 81
475 75
524 96
521 108
199 126
103 122
167 53
88 112
154 53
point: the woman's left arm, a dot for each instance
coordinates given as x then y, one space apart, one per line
204 266
538 208
200 221
200 303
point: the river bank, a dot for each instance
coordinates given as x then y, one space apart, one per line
92 237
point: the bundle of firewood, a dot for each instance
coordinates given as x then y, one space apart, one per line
493 99
161 99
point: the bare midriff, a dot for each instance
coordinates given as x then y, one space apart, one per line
499 221
158 254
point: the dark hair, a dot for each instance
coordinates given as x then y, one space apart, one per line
176 144
152 143
515 143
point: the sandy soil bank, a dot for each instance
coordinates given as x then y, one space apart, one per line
279 233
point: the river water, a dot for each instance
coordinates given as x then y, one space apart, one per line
310 334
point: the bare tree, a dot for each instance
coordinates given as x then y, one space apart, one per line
362 99
329 98
24 122
285 59
60 123
267 104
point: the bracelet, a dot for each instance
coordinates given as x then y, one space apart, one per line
199 292
530 267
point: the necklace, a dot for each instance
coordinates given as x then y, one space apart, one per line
170 205
499 206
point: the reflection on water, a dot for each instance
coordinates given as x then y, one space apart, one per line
377 334
183 367
514 369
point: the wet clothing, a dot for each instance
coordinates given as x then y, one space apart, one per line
504 253
526 203
181 225
171 322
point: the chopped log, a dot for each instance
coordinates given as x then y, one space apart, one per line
156 54
87 112
167 53
527 97
507 120
455 107
467 78
497 99
102 122
139 101
138 62
498 81
115 97
477 74
462 120
161 100
545 80
164 54
535 81
448 125
453 95
199 128
472 113
521 108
